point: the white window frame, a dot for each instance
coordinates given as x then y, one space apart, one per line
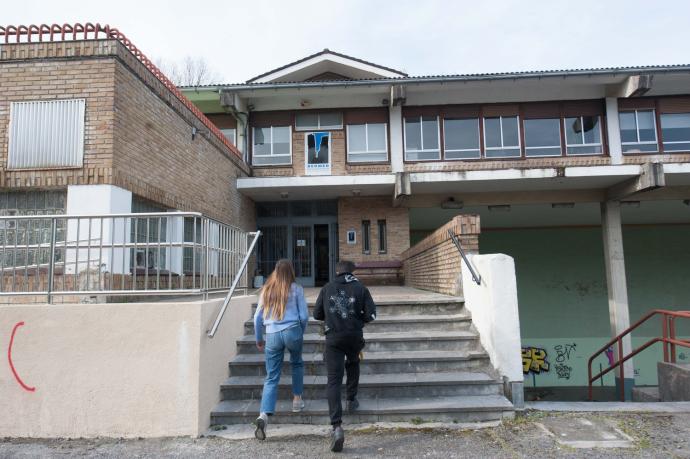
366 144
454 150
503 145
560 132
565 135
318 127
637 131
226 131
671 142
421 133
289 155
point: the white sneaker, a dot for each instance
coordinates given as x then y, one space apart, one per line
261 423
297 405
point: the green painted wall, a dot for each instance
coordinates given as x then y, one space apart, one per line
563 300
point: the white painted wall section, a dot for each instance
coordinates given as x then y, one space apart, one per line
97 200
494 308
396 136
613 131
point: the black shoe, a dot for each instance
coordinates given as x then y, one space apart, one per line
337 439
351 405
260 432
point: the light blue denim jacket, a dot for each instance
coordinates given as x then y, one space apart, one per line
295 313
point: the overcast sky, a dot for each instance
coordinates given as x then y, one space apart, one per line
240 39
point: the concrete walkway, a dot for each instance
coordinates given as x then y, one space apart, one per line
534 435
390 293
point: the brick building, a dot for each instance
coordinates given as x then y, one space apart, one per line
547 160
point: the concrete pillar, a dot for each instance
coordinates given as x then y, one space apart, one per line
97 200
613 131
396 136
619 312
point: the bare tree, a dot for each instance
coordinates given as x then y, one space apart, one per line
188 72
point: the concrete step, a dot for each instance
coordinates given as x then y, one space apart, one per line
645 394
401 385
419 322
374 363
389 409
452 305
459 340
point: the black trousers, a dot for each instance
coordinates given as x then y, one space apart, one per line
342 355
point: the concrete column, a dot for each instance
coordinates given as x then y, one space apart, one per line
97 200
613 131
396 137
619 312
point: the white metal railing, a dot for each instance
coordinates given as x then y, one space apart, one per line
158 253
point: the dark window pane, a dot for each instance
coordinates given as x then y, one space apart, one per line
590 126
542 133
356 137
376 137
430 131
573 131
675 128
301 208
645 124
366 246
503 153
511 136
492 132
413 139
628 126
461 134
306 121
383 237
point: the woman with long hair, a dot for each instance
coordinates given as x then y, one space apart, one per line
282 309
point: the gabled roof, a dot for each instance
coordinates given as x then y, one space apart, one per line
324 63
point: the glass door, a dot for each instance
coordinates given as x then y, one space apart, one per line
302 254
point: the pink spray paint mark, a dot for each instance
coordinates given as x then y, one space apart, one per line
9 359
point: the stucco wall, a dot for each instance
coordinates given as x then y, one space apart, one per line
563 298
115 370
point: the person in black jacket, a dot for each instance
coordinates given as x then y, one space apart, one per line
345 305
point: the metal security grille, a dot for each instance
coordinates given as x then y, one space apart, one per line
46 134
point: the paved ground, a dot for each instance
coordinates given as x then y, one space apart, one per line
653 436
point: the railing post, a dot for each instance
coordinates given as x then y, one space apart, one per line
207 241
672 332
664 334
51 265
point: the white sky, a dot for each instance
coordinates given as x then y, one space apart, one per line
241 39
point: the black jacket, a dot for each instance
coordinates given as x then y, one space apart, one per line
345 305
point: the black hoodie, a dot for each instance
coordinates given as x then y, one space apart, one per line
345 305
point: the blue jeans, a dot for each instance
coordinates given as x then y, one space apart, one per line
276 343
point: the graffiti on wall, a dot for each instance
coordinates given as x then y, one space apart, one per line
534 360
563 354
24 386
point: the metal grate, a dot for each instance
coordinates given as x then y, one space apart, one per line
46 134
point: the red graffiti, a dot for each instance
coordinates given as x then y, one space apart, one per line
9 359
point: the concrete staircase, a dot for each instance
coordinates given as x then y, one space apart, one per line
422 362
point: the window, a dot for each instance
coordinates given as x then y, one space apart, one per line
542 137
582 135
421 138
461 138
675 131
366 244
367 142
147 230
318 121
272 146
46 134
229 134
501 137
638 131
382 236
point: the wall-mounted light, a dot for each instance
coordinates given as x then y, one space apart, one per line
500 208
562 205
451 203
356 192
284 194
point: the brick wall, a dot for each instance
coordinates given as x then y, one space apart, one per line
351 212
137 133
435 263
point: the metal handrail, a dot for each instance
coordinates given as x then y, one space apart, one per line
211 333
476 277
668 338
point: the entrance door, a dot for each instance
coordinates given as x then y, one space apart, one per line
321 255
302 256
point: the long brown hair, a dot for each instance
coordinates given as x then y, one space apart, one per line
275 292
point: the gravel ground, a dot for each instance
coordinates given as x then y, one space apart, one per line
656 436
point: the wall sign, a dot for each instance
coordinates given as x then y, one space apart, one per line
351 236
318 153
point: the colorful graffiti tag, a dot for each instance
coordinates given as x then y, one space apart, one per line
534 360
